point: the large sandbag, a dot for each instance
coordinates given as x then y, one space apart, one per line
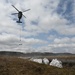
36 60
45 61
56 63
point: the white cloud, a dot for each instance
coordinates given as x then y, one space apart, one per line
65 44
64 40
12 43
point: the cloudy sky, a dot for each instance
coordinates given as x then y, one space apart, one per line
49 26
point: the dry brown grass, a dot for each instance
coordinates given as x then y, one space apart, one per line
62 57
18 66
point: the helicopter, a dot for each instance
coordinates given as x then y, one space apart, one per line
20 14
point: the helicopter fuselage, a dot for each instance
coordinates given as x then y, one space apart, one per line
19 15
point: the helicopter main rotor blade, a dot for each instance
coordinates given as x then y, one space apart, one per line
14 13
24 16
26 10
15 8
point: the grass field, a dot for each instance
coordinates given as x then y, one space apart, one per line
62 57
18 66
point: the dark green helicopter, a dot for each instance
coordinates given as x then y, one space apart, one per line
20 14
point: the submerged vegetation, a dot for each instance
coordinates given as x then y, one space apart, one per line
18 66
